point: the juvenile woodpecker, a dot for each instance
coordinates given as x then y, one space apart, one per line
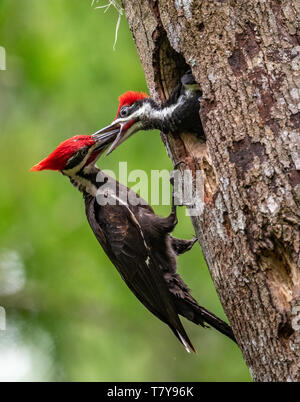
139 112
136 240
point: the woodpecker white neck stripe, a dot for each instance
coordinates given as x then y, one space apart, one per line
150 113
147 112
83 184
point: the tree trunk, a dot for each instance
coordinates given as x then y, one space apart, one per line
246 57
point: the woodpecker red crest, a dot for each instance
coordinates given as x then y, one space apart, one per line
59 158
137 241
129 98
180 113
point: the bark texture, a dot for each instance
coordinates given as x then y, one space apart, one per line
245 54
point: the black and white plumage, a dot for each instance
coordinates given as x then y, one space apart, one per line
180 113
136 240
139 244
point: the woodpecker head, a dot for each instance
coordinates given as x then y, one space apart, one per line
134 114
139 112
73 155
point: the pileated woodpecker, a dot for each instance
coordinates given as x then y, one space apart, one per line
137 241
139 112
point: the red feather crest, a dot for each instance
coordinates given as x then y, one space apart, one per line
58 159
129 98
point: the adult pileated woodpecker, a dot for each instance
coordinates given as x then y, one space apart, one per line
139 112
137 241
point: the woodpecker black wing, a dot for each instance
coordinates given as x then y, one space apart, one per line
122 238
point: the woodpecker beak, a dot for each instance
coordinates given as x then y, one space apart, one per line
108 135
104 138
117 132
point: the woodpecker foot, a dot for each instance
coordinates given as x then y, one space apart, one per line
181 246
178 164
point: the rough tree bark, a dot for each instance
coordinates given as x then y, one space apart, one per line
245 54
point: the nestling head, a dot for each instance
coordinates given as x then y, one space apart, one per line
129 102
133 112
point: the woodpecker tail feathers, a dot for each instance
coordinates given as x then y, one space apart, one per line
199 315
183 338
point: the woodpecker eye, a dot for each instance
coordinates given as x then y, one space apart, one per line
124 112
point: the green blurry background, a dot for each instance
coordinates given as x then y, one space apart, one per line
69 315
